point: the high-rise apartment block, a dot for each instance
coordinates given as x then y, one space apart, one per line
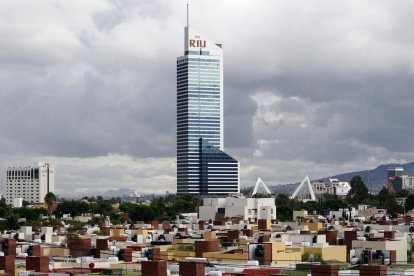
30 183
393 174
202 166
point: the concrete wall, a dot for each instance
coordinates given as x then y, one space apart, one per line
55 251
297 239
207 212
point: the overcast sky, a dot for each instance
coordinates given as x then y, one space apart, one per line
310 87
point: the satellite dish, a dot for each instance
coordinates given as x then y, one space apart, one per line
354 260
259 251
387 261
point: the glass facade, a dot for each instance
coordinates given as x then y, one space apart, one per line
392 174
199 115
219 171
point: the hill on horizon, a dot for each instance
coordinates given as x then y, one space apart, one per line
374 179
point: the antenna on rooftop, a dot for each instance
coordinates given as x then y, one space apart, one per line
188 16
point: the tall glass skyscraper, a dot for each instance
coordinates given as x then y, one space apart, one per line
202 166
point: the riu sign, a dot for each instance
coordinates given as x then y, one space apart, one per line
197 43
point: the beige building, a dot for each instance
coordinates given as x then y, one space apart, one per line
335 253
238 206
399 245
330 186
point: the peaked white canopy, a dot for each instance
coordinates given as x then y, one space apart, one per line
304 190
261 188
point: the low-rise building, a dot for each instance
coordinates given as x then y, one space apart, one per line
331 186
399 245
251 209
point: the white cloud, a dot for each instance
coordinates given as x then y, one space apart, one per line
78 176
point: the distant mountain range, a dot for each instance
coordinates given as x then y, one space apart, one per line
374 179
123 192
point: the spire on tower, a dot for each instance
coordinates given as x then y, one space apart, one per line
188 16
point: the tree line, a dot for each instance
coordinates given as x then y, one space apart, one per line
160 208
171 206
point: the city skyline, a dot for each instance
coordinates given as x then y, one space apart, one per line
311 88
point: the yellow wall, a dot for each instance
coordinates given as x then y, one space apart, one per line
278 246
55 251
228 258
297 249
117 232
302 213
58 265
281 257
285 258
330 253
210 235
178 255
313 226
178 241
142 232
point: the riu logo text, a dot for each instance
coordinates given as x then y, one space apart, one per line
197 43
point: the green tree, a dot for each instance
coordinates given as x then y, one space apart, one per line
393 206
409 203
12 221
142 213
158 205
30 214
402 193
334 203
72 207
358 192
383 195
284 213
49 199
97 220
371 200
282 199
76 225
102 207
309 206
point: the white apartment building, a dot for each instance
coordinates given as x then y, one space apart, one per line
408 183
330 186
238 206
30 183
